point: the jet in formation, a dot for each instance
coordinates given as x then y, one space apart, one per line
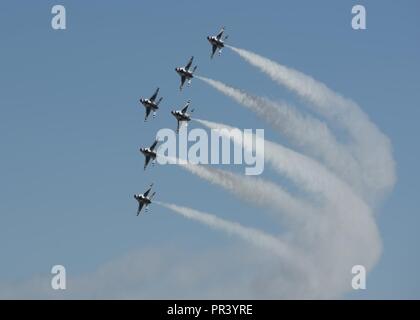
149 154
185 73
182 115
217 42
144 199
151 104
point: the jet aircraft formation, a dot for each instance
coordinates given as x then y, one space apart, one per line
182 116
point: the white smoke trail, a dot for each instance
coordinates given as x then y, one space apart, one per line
304 171
372 148
293 261
348 222
256 191
306 132
251 235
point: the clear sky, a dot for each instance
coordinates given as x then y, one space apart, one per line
71 125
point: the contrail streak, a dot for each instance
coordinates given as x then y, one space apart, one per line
306 132
372 148
304 171
256 191
251 235
328 234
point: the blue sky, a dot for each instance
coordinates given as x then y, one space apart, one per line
71 126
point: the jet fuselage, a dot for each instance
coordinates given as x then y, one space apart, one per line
217 42
186 73
149 104
148 152
142 199
181 116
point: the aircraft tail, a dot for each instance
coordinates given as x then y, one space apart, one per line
195 68
159 101
153 194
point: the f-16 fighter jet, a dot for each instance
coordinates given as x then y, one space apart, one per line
144 199
151 104
149 154
185 73
217 42
182 115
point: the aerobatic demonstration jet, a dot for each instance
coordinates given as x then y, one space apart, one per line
149 154
182 115
151 104
144 199
185 73
217 42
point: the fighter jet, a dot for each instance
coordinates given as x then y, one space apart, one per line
217 42
144 199
185 73
149 154
151 104
182 115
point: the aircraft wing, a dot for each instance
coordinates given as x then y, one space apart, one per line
140 207
153 98
153 146
147 192
213 50
146 162
148 110
184 110
188 66
182 82
219 35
